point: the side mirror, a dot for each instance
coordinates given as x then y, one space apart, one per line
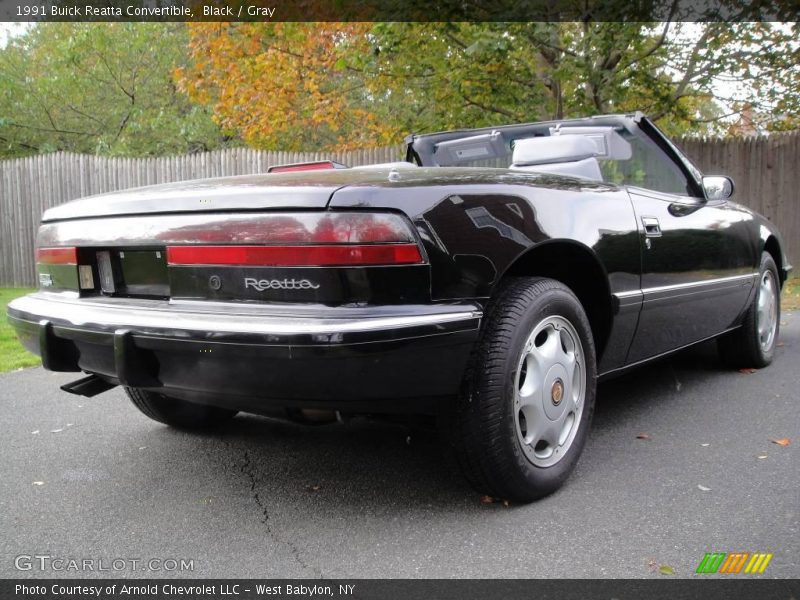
718 187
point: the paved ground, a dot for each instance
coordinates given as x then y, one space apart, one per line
245 502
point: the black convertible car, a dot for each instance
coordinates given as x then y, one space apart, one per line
491 279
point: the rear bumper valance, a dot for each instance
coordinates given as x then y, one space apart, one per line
312 354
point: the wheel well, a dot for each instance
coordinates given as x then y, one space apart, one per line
771 246
576 267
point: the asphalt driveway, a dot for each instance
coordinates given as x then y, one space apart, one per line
93 479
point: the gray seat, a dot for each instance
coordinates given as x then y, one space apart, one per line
572 155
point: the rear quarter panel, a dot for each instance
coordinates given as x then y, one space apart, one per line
474 231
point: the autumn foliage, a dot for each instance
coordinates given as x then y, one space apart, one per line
283 85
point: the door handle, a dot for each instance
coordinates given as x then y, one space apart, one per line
652 228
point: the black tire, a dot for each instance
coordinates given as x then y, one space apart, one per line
178 413
483 422
742 348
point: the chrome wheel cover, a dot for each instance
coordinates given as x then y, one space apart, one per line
767 311
549 391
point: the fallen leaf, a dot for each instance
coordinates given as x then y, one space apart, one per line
762 456
748 370
56 430
666 570
35 432
643 436
705 445
703 488
781 441
487 500
38 483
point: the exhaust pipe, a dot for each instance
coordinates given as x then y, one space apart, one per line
312 416
88 386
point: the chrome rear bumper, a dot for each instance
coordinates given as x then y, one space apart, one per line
203 320
248 356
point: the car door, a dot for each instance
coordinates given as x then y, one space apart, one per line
697 261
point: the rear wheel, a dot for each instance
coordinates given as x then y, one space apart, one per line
753 344
178 413
521 423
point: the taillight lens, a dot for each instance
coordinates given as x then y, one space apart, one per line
301 239
288 228
57 256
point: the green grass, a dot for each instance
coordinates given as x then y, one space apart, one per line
12 355
790 295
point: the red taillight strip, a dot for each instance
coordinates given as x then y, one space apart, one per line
296 256
57 256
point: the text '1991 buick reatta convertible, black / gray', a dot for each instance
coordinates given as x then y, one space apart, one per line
491 280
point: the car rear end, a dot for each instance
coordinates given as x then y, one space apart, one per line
246 307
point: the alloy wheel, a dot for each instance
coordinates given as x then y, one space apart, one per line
549 391
767 311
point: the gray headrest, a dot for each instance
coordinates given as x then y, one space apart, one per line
552 149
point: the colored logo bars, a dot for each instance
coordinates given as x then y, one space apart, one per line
734 562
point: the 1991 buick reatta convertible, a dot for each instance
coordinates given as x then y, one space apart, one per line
491 279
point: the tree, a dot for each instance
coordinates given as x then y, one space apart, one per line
328 85
465 74
104 88
284 86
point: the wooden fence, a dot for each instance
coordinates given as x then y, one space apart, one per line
766 171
